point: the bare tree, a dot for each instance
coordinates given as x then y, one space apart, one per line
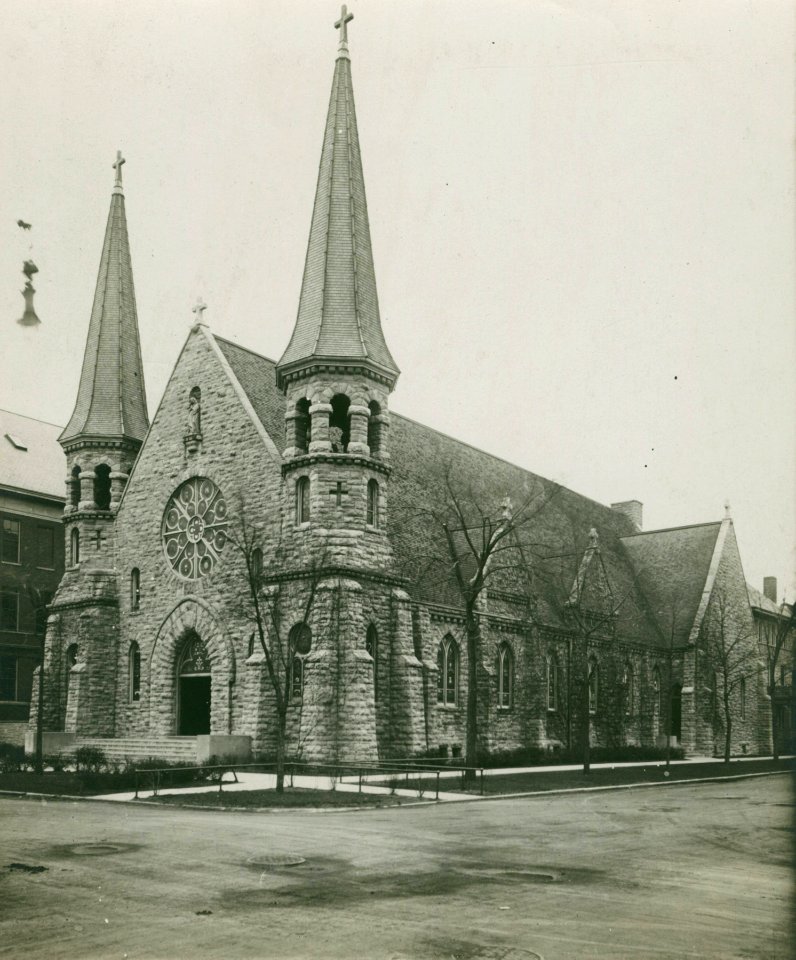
581 593
476 541
728 652
283 648
784 629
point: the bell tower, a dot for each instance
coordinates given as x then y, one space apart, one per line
363 686
109 420
337 372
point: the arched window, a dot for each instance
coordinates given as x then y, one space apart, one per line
552 683
742 697
505 667
74 547
302 425
302 500
299 643
135 672
71 660
74 490
373 504
135 588
339 423
372 647
594 686
448 671
257 565
628 688
102 486
374 428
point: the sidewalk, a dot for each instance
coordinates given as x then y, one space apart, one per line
267 781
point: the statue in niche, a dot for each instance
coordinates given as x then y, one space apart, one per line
336 437
195 413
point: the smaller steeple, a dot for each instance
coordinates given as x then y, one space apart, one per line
111 400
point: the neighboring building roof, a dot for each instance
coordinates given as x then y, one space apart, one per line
31 460
338 315
256 376
672 566
111 401
760 601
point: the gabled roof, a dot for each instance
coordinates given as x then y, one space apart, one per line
672 566
111 401
31 461
338 315
566 519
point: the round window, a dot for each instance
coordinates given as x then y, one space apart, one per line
194 527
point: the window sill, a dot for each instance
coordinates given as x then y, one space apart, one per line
12 563
505 709
447 706
552 710
44 568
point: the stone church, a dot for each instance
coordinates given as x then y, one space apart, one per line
276 531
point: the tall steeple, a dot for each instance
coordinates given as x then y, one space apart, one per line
111 400
338 319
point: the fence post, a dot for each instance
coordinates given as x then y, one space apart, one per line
482 781
136 784
220 779
437 796
360 779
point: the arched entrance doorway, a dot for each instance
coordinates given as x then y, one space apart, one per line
193 687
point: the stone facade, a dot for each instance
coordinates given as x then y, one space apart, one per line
266 551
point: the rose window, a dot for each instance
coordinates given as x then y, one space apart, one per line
194 527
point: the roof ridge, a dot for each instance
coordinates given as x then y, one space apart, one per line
685 526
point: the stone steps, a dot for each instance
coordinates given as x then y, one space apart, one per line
142 748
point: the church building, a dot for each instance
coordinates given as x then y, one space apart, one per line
276 546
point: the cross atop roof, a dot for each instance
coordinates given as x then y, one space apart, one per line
342 26
118 168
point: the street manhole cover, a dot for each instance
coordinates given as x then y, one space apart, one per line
96 849
275 860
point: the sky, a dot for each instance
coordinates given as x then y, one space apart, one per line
582 216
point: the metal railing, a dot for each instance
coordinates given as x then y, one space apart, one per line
384 774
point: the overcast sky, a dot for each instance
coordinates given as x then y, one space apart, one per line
582 216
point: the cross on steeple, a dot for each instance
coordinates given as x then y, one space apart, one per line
342 25
118 168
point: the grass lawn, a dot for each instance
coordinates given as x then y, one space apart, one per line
602 777
292 797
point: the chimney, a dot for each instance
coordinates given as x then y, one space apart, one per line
632 509
770 588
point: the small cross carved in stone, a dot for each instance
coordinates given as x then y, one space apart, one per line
99 539
338 492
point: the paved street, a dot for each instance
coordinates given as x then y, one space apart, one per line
674 872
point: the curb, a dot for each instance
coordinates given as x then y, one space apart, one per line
465 798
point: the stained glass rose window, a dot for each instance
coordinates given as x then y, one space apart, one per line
194 527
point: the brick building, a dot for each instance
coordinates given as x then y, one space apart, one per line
292 489
31 556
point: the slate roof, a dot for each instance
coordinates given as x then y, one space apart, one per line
415 449
761 602
38 468
338 314
672 566
111 400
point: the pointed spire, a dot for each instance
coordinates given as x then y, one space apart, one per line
338 317
111 401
